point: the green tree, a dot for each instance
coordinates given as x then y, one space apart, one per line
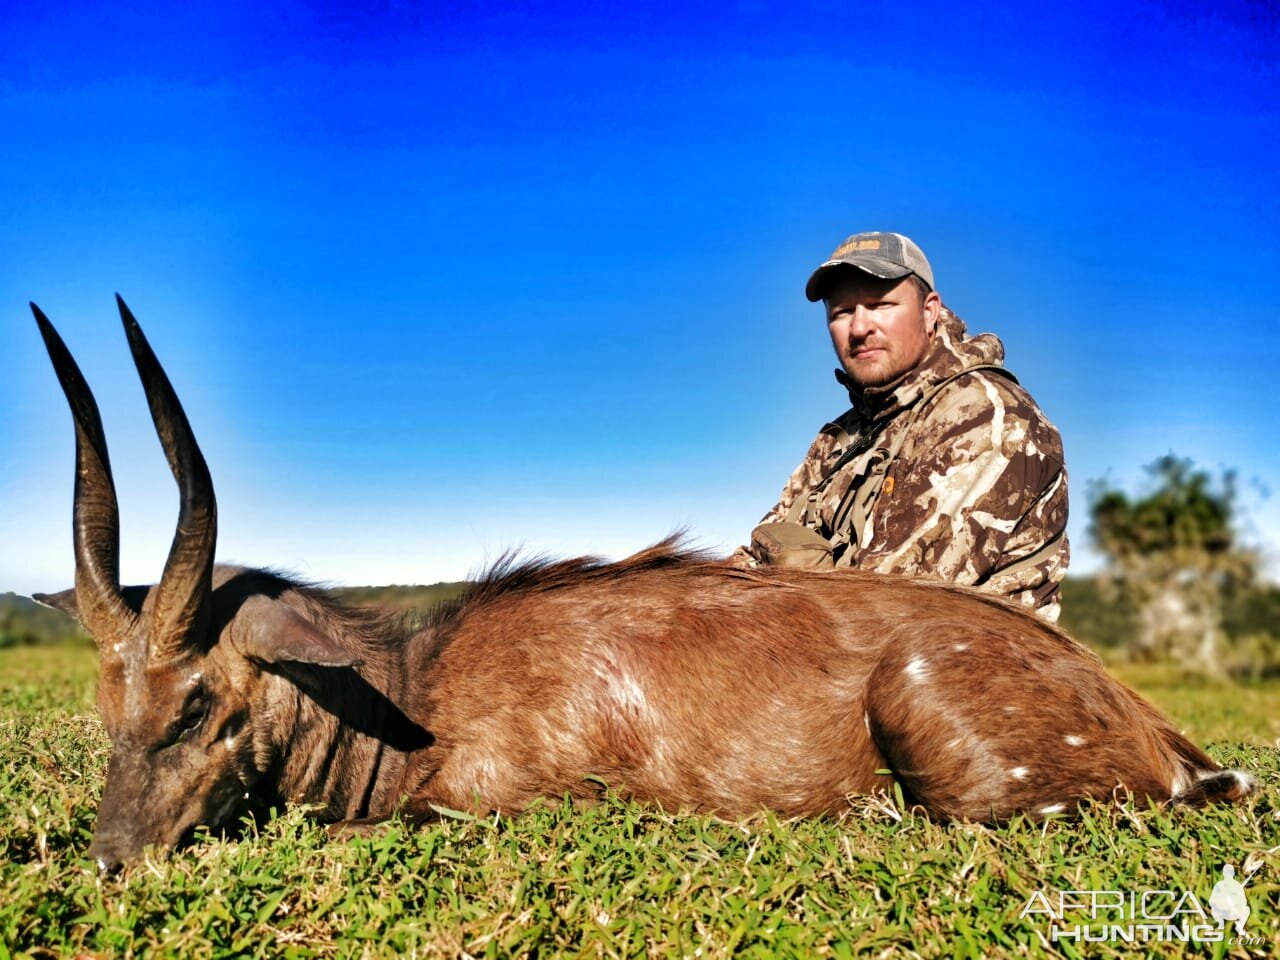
1174 558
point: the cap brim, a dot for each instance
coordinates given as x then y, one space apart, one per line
877 267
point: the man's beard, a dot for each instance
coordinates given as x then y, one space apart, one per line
871 380
875 377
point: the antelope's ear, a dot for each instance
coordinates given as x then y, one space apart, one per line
64 601
273 632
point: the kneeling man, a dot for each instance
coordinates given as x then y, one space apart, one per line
944 466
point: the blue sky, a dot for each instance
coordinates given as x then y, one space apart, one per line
437 280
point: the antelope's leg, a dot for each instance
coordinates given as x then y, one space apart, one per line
981 725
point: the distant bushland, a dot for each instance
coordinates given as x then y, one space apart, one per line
1107 620
25 622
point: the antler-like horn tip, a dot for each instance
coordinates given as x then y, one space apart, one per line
125 313
52 342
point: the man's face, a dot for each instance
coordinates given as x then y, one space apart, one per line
880 328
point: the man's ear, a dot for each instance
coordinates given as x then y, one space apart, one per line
273 632
932 313
64 601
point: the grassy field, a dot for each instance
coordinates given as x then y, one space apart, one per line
616 880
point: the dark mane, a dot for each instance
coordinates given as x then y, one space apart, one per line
510 575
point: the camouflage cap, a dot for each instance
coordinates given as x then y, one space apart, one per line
889 256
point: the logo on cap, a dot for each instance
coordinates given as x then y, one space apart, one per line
850 245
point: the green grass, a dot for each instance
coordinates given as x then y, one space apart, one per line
616 880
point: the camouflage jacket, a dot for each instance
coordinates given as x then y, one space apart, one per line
977 487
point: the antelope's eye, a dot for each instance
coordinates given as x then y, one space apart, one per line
193 715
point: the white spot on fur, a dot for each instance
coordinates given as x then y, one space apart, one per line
629 694
954 742
659 752
486 773
229 742
620 687
1010 709
194 678
1019 773
1054 808
866 721
1073 740
915 668
117 647
1180 783
961 647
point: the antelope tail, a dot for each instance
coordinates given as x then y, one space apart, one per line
1200 781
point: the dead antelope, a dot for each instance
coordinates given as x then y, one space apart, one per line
671 678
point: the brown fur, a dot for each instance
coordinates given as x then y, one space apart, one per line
670 678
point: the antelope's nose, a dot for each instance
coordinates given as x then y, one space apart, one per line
107 855
108 865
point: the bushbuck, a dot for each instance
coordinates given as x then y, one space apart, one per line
669 677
